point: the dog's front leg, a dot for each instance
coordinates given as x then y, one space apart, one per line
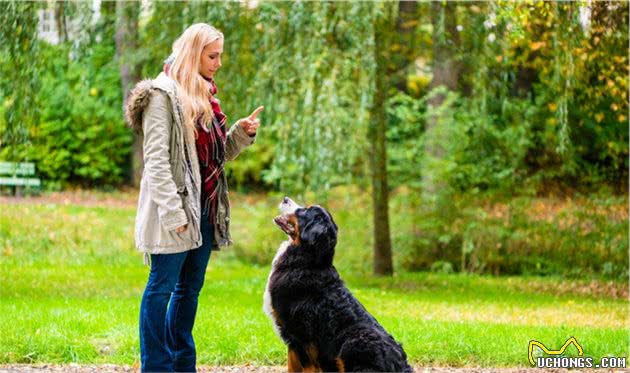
294 362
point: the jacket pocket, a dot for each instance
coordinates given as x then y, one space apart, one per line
191 233
223 215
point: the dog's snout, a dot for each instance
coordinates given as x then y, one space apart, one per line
287 206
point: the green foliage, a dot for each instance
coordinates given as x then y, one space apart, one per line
526 114
575 238
316 62
81 138
479 151
577 97
19 67
78 136
526 118
406 118
157 34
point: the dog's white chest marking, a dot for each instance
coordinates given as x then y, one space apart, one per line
267 307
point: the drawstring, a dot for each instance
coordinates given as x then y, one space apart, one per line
147 259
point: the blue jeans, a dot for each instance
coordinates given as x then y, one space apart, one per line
166 341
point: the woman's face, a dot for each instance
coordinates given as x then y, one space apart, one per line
211 59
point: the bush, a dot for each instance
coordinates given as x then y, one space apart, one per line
81 138
584 236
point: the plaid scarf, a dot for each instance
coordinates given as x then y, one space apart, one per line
210 142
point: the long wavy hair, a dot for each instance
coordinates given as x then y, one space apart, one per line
194 90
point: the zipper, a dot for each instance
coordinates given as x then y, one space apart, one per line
188 172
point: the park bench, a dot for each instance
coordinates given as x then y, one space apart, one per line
19 176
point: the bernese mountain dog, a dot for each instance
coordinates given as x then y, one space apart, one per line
322 323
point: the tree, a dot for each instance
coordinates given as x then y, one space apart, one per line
20 81
445 74
404 44
60 20
327 99
126 44
378 152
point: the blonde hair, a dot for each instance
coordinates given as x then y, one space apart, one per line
193 89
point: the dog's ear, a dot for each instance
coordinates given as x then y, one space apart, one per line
313 233
319 234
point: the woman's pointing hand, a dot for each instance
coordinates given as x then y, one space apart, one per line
250 124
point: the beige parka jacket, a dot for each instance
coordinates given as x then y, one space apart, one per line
170 189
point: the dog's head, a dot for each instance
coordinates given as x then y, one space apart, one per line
312 229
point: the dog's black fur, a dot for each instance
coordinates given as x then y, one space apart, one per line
323 324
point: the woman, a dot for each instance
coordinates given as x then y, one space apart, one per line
183 207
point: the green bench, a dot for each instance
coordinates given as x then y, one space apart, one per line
19 176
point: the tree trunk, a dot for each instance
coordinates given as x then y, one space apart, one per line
406 25
60 20
22 50
445 44
378 159
126 44
445 73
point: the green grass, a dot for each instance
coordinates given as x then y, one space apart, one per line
71 284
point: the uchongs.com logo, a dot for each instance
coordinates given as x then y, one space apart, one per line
555 358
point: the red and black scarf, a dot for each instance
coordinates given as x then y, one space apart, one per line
211 139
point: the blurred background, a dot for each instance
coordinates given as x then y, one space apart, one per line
446 138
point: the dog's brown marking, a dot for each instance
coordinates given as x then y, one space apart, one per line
313 359
293 362
276 319
340 364
295 235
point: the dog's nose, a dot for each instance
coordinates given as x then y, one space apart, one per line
285 200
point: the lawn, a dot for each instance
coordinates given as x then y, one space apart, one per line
72 283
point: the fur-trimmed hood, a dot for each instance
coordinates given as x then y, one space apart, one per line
140 95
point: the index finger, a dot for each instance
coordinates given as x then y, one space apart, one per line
256 112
